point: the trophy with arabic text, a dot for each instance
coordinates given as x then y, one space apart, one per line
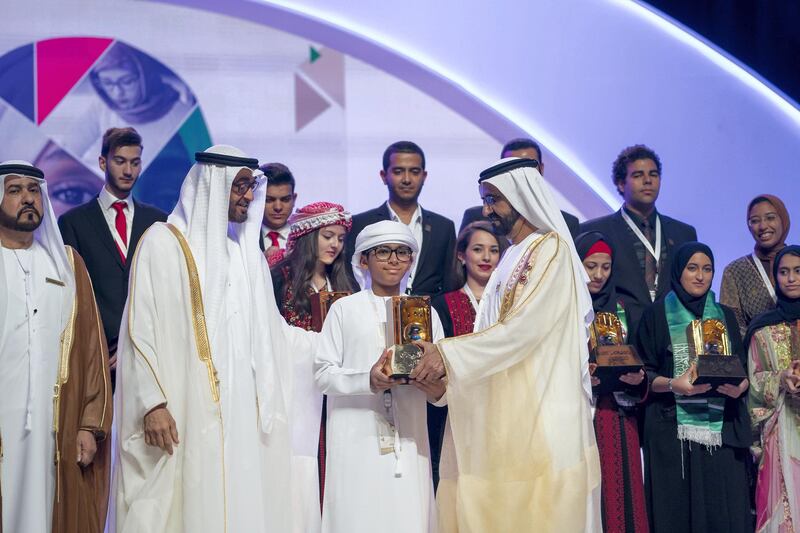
710 348
608 351
408 319
321 302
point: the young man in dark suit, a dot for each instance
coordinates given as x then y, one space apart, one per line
528 149
106 230
642 238
404 175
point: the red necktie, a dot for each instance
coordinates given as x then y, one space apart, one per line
121 224
273 236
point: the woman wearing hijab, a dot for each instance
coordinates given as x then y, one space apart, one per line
774 354
695 447
748 284
623 502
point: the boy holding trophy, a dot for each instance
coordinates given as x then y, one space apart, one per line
378 460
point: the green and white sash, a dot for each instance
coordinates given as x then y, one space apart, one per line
699 419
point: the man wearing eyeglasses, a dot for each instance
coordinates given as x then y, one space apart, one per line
377 437
404 175
206 365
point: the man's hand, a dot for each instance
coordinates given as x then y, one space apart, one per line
112 355
433 390
734 391
633 378
160 429
595 381
431 367
378 380
683 384
87 447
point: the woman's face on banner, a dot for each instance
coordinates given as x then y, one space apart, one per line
121 83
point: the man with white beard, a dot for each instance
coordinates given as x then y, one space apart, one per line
204 366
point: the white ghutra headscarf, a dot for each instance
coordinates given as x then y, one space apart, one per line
48 236
523 186
383 232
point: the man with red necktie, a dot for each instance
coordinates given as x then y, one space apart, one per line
278 206
106 230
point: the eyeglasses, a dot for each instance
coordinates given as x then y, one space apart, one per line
384 253
242 187
768 218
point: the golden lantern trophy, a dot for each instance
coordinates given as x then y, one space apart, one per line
408 319
321 302
710 349
609 354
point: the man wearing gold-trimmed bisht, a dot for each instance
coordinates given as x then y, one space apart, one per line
56 408
518 388
205 366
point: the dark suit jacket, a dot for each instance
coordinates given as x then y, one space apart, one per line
435 265
85 229
628 274
476 213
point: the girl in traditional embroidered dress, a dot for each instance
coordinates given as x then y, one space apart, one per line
695 445
478 250
774 354
615 424
748 285
313 262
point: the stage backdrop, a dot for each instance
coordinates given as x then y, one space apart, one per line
325 86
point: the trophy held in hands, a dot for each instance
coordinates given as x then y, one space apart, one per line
321 302
710 349
609 354
408 319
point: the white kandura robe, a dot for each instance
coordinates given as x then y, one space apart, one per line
29 355
366 491
243 488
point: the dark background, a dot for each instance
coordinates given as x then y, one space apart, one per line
762 34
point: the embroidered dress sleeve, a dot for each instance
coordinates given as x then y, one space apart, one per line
764 378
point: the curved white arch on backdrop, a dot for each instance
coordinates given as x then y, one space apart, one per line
585 78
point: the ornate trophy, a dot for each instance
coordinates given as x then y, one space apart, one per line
611 356
710 348
320 303
408 319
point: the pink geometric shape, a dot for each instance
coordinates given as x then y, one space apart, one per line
328 73
308 104
60 63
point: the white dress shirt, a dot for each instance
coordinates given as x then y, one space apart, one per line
106 201
283 236
416 228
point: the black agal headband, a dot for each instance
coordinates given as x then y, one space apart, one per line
225 160
21 170
507 166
